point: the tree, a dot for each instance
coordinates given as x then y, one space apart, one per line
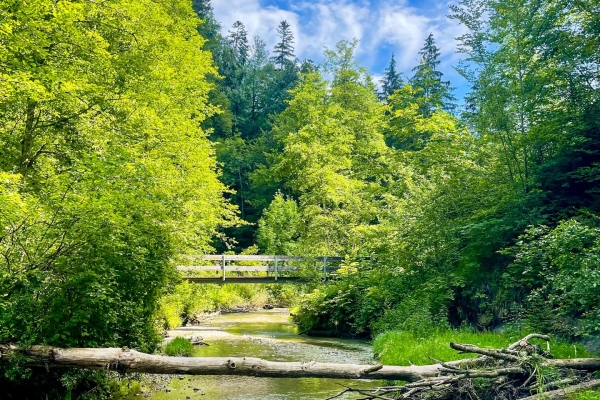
431 91
239 42
330 146
209 28
256 85
556 270
391 80
533 101
106 174
278 227
220 124
284 50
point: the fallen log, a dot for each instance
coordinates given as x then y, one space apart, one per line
128 360
511 371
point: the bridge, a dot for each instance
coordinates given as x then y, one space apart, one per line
276 269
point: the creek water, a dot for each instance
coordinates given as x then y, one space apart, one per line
269 335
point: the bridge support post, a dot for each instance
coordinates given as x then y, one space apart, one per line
324 268
275 268
223 269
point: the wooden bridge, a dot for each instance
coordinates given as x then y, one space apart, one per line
277 269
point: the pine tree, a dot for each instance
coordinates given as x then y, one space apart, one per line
238 39
391 81
284 50
431 92
209 29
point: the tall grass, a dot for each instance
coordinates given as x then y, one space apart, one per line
406 348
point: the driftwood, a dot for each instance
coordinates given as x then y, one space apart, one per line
515 372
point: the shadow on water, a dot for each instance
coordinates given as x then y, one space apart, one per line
269 335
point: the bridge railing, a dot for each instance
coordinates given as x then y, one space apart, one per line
271 264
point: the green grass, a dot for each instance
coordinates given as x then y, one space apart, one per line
587 395
404 348
179 347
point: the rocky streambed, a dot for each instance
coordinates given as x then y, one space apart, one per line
267 334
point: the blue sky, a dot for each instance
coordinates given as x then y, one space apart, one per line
383 27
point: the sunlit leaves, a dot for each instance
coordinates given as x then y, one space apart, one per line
100 113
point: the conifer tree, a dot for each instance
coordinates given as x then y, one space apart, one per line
391 81
238 39
284 50
431 91
209 29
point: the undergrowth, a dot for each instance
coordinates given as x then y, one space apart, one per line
189 299
179 347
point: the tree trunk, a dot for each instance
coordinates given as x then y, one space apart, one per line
127 360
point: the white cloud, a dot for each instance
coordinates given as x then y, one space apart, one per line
404 30
330 22
391 24
258 20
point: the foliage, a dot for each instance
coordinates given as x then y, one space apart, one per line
80 384
105 172
558 272
278 228
238 40
391 81
587 395
332 150
188 301
179 347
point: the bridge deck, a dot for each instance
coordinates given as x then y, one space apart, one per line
273 266
243 279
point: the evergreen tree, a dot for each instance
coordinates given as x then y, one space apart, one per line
431 91
238 39
391 81
284 50
308 65
209 29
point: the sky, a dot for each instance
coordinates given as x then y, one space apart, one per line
382 26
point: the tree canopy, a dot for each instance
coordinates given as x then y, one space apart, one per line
106 173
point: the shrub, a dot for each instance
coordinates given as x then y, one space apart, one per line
558 270
179 347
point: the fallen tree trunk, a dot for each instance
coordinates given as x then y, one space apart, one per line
126 360
511 373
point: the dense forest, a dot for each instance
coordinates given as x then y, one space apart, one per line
135 132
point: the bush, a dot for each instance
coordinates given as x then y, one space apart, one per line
179 347
365 302
558 271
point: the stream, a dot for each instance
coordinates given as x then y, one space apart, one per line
267 334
